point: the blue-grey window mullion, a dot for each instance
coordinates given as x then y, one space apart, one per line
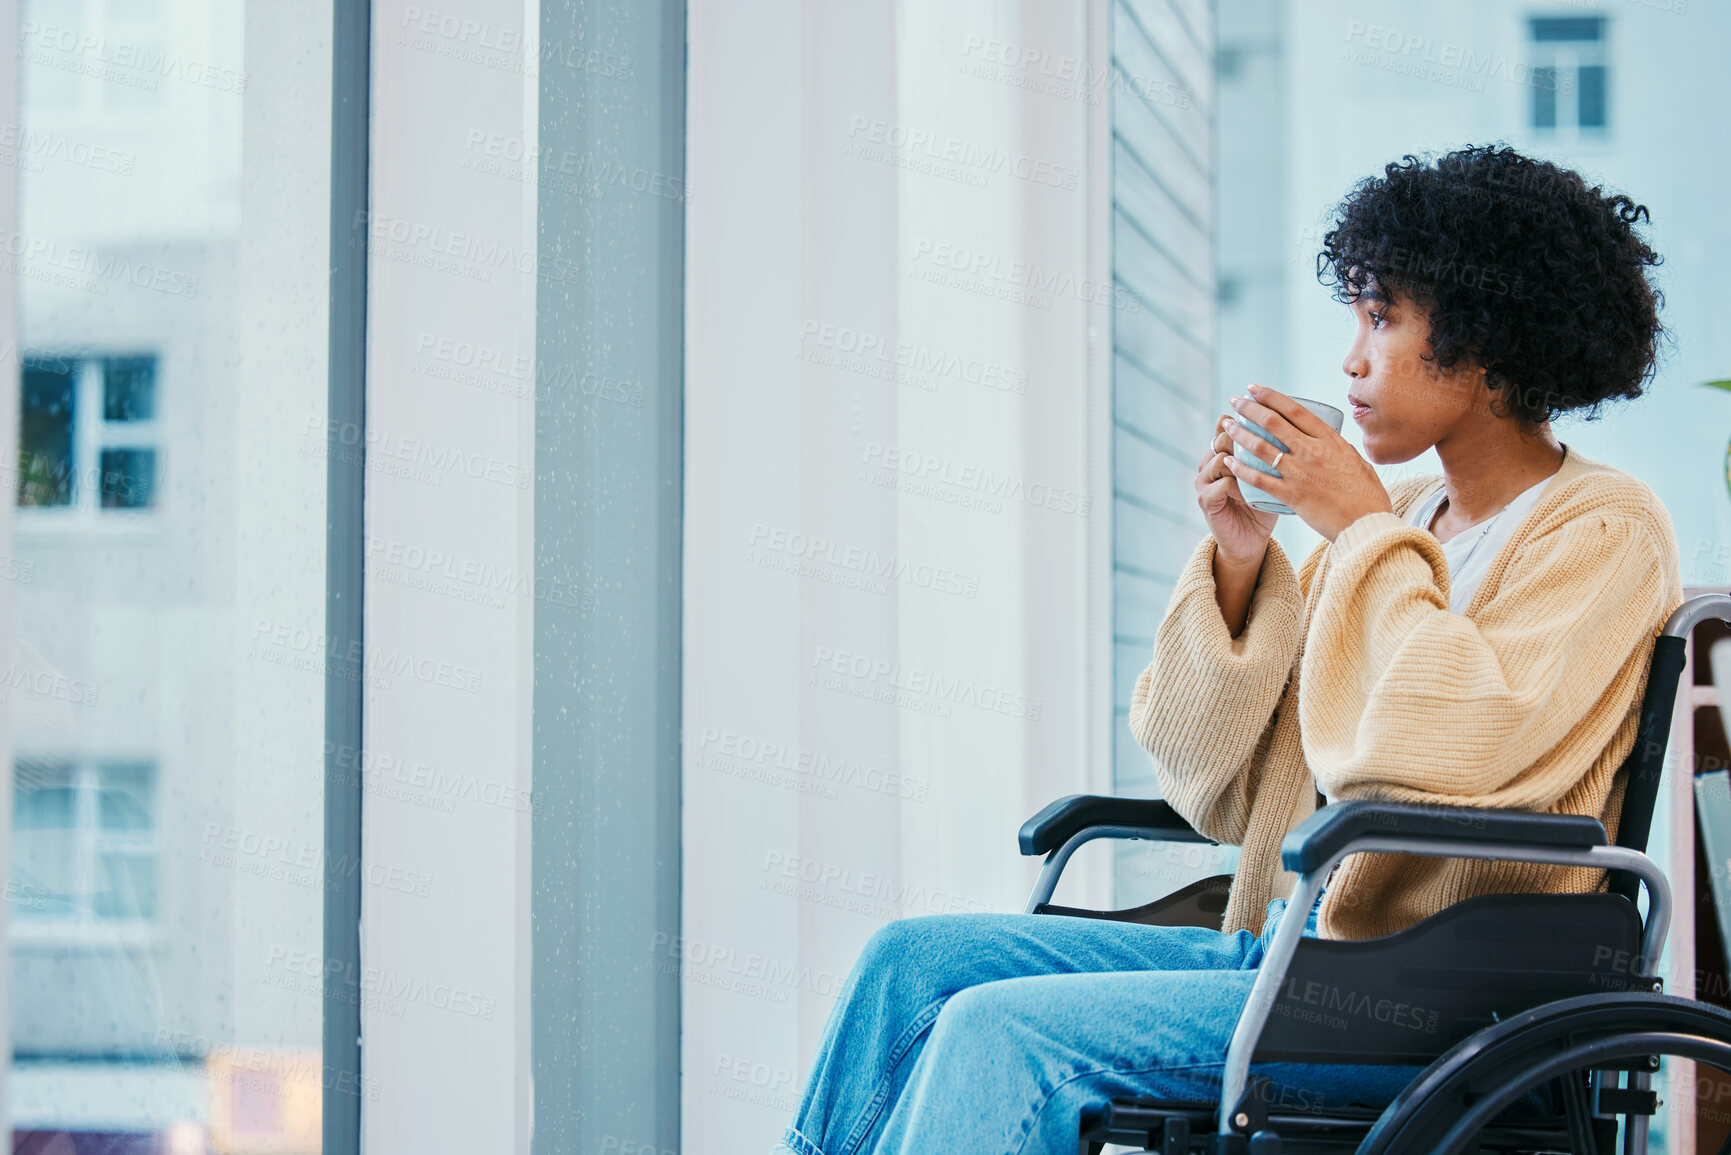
1591 89
345 570
605 855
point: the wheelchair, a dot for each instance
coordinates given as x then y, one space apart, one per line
1540 1018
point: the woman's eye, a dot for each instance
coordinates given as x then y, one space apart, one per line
1376 319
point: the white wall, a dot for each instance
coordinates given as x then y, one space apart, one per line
799 247
450 1048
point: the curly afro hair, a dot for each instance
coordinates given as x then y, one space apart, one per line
1525 270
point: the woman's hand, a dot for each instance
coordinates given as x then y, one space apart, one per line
1323 478
1240 533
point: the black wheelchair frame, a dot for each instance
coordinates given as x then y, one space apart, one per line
1538 1018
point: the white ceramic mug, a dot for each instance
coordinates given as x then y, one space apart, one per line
1256 497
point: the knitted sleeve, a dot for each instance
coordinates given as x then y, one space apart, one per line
1204 707
1404 700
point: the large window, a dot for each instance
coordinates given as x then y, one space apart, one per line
167 875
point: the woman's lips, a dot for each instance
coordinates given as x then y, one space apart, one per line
1359 408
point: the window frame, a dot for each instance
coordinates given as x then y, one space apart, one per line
92 434
1566 58
86 928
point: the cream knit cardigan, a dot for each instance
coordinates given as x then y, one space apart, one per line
1352 675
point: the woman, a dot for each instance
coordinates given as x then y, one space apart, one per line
1477 638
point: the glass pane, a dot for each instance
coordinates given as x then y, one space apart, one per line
44 842
125 799
168 800
45 798
49 392
129 389
1544 98
1593 96
126 887
1556 29
128 478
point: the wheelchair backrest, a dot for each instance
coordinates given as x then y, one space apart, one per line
1645 766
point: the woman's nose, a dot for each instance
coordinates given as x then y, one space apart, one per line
1356 364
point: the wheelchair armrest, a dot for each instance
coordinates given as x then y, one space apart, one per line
1333 829
1053 826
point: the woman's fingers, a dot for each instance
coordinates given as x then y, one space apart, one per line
1278 407
1216 469
1277 425
1214 487
1289 408
1259 447
1266 482
1218 443
1217 493
1220 484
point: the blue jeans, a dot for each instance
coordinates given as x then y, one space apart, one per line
987 1033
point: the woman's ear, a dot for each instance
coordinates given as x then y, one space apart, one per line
1467 389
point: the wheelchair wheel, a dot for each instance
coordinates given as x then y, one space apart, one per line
1444 1109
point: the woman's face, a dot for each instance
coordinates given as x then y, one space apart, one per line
1403 404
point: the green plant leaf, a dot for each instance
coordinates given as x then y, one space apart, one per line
1725 385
